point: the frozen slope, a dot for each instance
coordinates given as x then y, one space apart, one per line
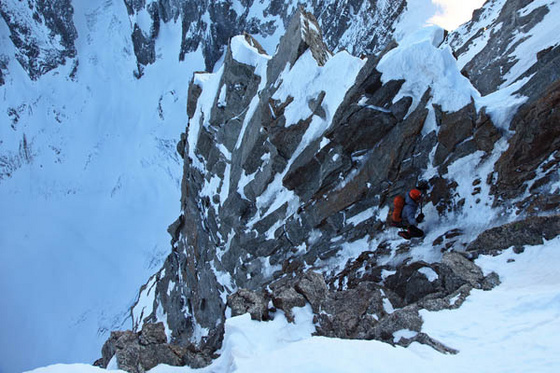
90 181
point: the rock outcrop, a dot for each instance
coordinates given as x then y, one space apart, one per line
531 163
374 309
140 352
493 51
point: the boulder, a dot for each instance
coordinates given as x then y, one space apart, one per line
246 301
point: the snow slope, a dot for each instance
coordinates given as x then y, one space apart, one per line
512 328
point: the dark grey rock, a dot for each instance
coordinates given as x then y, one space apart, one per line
530 231
491 281
404 318
463 269
536 139
425 339
140 352
314 288
286 298
411 284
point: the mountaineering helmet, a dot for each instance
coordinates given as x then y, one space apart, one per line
415 194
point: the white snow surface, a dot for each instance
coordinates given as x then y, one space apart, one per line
512 328
245 53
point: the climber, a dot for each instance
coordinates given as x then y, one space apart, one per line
409 219
404 214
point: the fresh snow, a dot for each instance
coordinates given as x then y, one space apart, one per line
430 274
423 65
245 53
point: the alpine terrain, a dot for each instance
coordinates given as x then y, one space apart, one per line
267 141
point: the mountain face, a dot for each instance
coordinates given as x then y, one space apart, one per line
507 44
292 161
44 32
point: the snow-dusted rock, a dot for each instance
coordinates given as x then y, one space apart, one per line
246 301
291 163
140 352
529 168
360 26
492 47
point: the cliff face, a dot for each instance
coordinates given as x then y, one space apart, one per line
44 33
504 43
291 165
291 161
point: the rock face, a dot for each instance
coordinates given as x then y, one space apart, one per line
377 309
43 33
291 162
531 163
492 50
266 192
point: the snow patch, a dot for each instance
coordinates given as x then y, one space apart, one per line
430 274
245 53
403 333
422 65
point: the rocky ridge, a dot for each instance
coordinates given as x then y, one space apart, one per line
271 199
